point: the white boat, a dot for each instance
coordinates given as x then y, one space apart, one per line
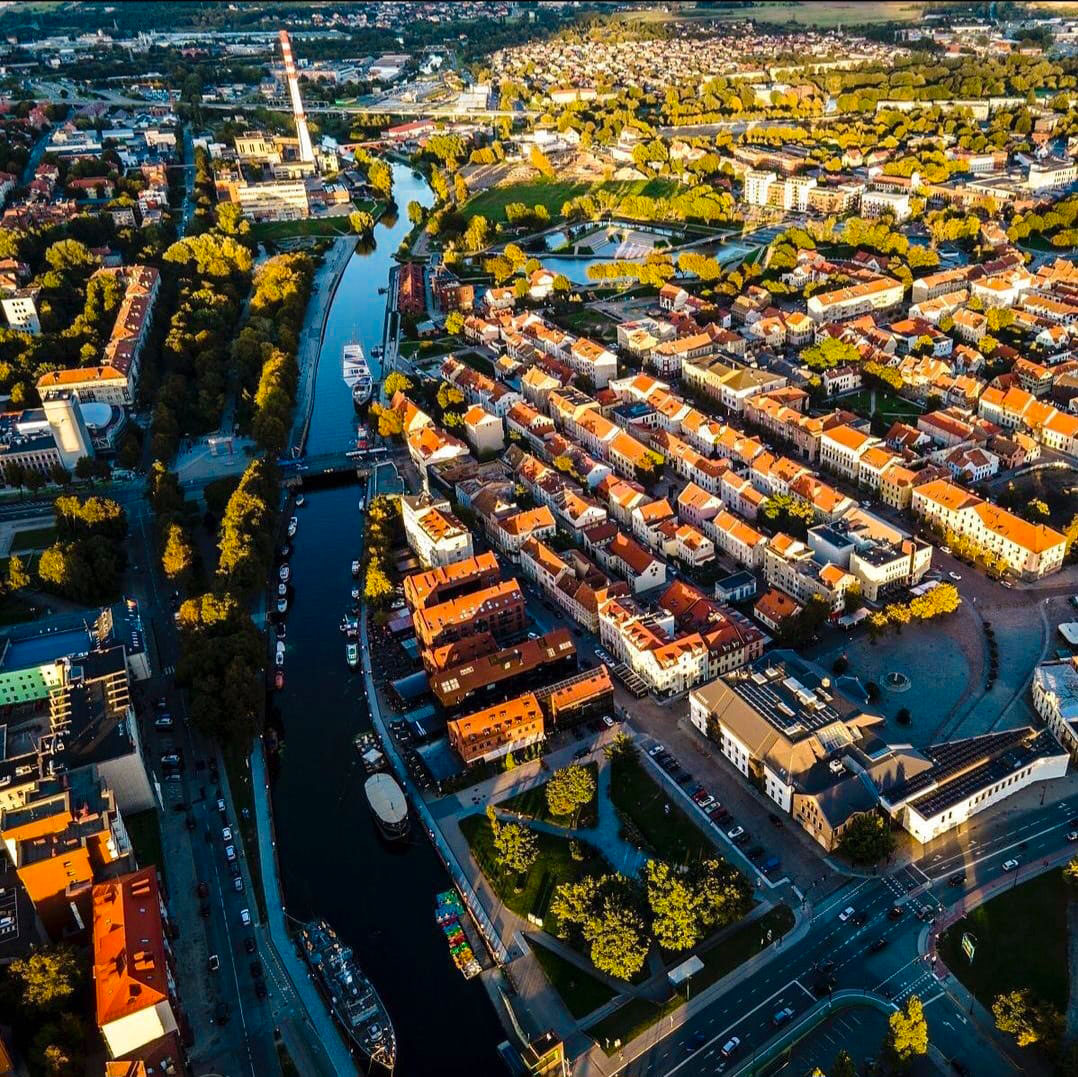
284 572
300 501
280 652
292 525
388 805
355 568
282 590
351 652
356 373
282 605
355 593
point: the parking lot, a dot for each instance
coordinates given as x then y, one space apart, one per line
859 1030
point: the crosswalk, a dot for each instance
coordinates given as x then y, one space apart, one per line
168 671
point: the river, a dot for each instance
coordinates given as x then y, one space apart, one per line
333 863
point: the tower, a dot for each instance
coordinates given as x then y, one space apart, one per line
306 150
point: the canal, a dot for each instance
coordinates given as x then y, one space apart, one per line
333 863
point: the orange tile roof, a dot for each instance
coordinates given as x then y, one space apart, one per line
130 973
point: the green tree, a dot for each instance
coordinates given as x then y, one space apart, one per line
1017 1013
569 789
830 352
17 576
361 222
674 906
178 556
516 847
867 839
907 1034
617 937
46 978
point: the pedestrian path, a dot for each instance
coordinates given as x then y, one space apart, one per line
317 1013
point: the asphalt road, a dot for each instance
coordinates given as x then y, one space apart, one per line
795 977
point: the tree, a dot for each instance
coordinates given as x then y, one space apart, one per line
540 162
415 212
47 978
907 1034
454 323
617 936
396 382
178 556
516 847
1018 1013
828 353
361 222
844 1065
867 840
569 789
1070 872
674 906
17 576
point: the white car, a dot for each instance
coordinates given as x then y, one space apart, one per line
655 749
245 917
226 835
1072 835
736 833
1010 865
846 913
954 575
730 1046
230 852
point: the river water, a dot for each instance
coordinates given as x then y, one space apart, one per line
333 862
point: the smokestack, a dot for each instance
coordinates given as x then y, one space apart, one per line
306 150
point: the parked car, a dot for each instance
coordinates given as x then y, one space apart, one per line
226 834
1010 865
245 917
202 890
237 884
214 962
655 749
170 759
249 944
230 852
220 807
163 721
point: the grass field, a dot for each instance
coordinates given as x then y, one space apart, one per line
532 804
554 194
580 992
532 894
741 944
628 1021
1020 941
37 538
311 226
648 810
822 13
889 406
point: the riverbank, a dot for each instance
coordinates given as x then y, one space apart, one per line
326 282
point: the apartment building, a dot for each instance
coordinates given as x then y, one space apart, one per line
855 300
436 536
1055 699
1030 551
577 585
496 731
137 1005
498 609
442 584
841 449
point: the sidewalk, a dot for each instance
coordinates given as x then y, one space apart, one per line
323 1027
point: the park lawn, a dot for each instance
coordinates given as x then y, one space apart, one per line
665 829
238 766
144 830
580 992
36 538
739 945
629 1021
553 194
422 349
889 406
532 804
311 226
553 867
1020 942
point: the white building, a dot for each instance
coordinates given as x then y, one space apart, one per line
436 536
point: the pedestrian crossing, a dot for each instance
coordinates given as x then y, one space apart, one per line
168 671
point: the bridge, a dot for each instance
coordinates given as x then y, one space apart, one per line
351 465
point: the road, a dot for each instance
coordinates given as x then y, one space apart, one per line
797 976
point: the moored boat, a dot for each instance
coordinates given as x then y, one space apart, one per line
356 373
388 805
292 525
351 653
352 997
